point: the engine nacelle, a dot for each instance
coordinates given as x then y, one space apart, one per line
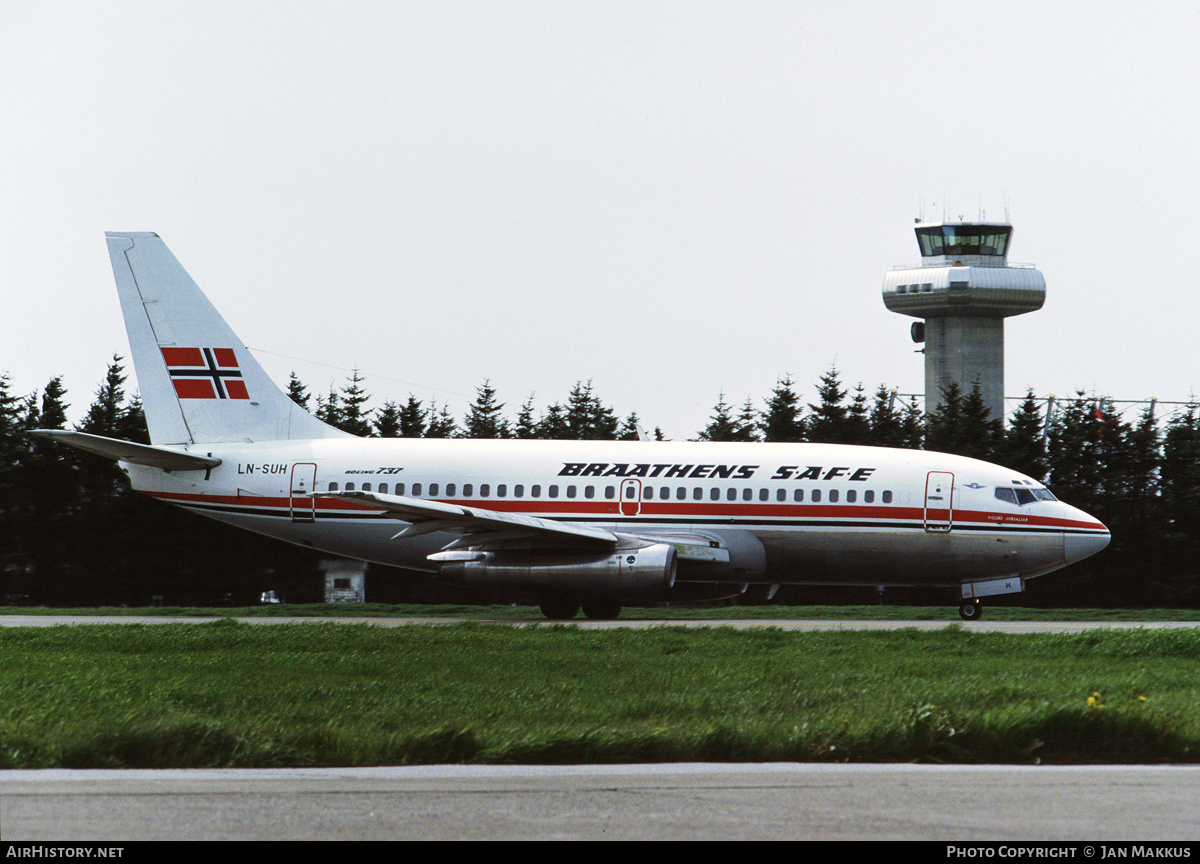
646 570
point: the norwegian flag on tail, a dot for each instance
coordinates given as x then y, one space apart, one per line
205 373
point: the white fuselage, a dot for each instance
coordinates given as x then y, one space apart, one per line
788 513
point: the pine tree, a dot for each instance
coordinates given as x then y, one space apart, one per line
553 424
413 419
587 418
484 419
721 425
354 414
885 420
297 392
329 411
827 420
629 429
526 427
106 415
1022 447
387 421
782 421
441 423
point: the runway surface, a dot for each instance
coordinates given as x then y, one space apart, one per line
620 802
626 802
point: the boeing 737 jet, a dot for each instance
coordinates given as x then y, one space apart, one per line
591 524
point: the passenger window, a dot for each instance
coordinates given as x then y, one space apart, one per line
681 494
747 495
501 490
450 487
589 491
570 491
535 491
366 487
648 493
553 492
433 489
697 494
731 494
764 494
869 496
399 488
816 496
798 495
851 496
780 494
416 490
519 491
485 489
665 493
887 497
833 496
715 494
383 488
333 487
349 487
467 490
609 492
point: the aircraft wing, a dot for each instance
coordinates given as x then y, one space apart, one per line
430 516
127 451
480 527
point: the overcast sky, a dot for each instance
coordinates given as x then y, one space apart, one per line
672 199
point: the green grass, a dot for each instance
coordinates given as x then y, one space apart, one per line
230 694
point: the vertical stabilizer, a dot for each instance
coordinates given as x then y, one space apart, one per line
198 382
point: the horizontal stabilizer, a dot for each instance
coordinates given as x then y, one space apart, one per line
127 451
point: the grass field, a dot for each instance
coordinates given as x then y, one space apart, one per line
230 694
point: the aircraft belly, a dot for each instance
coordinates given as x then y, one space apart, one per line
912 557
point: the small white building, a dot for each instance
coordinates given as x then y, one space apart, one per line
345 581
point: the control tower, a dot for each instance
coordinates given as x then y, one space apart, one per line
964 288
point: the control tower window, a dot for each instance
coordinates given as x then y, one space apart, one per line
964 240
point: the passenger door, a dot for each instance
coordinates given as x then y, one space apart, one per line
939 502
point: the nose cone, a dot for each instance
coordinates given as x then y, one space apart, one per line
1086 540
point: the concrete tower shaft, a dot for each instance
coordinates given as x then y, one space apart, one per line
964 288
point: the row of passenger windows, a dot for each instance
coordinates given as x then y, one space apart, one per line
649 493
915 288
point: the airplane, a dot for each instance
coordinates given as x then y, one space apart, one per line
583 524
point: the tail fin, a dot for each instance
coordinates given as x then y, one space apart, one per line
198 382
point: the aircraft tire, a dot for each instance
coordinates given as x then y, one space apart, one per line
970 610
559 608
602 608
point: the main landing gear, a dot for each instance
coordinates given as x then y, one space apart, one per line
970 610
559 608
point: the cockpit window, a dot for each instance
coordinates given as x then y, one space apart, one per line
1020 495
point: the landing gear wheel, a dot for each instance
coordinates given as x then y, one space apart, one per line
970 610
559 608
602 608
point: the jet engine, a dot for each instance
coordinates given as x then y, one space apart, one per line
644 570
